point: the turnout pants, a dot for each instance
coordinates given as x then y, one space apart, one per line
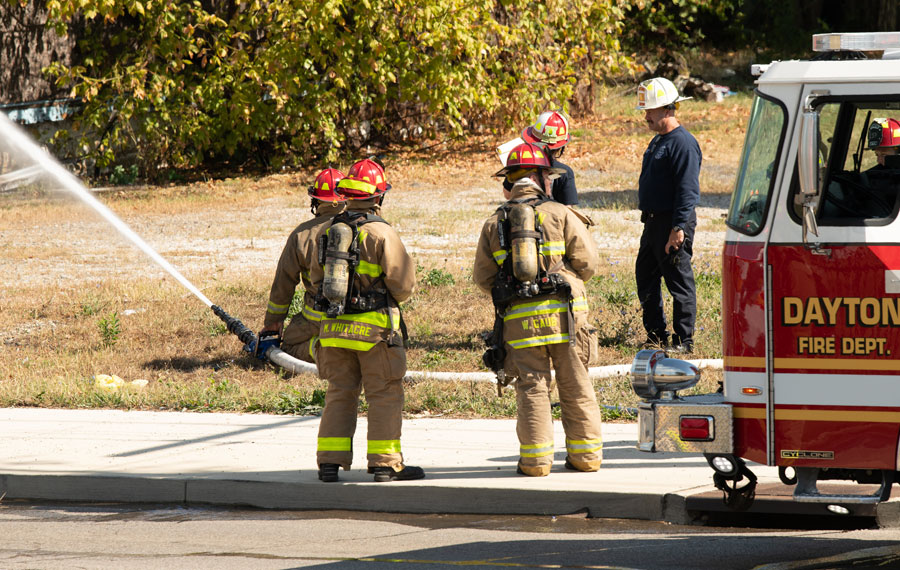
300 337
379 371
675 269
580 414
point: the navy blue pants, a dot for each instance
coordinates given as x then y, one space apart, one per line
653 264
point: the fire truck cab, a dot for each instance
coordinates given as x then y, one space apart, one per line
810 288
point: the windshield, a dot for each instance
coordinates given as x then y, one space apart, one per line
750 200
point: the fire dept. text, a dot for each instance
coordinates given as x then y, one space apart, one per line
858 346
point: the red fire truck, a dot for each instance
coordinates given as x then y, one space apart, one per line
810 288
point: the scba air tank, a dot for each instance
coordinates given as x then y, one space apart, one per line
524 243
337 265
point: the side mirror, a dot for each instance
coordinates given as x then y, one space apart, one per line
808 164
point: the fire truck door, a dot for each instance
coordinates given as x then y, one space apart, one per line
834 307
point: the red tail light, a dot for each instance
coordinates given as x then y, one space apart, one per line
696 428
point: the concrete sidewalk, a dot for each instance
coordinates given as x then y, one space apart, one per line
269 461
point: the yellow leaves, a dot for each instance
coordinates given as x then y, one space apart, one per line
219 83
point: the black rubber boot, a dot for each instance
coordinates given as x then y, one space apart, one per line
328 472
408 473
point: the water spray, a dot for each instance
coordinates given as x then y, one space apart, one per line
30 163
20 146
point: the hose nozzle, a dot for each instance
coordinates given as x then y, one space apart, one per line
235 326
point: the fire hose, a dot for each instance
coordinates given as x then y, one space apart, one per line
276 356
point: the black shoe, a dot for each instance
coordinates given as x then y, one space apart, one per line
682 348
328 472
569 465
408 473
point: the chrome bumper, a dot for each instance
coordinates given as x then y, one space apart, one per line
659 420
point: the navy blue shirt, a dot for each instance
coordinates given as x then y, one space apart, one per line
670 176
564 190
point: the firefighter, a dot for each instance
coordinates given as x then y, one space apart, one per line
300 335
362 271
884 140
551 129
668 192
534 256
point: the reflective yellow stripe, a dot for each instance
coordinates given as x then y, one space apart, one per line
584 445
538 308
361 235
540 217
537 449
553 247
311 314
384 446
276 309
371 318
370 269
312 347
360 345
539 340
395 318
579 304
357 185
335 444
500 256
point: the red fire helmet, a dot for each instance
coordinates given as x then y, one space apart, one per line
364 180
325 185
884 133
527 155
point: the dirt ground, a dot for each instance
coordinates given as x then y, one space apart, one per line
225 230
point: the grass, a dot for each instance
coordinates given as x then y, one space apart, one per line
78 302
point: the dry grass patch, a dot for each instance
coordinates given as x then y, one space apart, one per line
78 301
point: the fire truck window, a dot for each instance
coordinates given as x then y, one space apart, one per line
861 185
750 200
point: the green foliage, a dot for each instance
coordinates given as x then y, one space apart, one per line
296 303
310 80
437 278
92 306
672 24
110 327
301 404
216 329
123 176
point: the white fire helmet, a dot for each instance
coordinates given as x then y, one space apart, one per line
657 92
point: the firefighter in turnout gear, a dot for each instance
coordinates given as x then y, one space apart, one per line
362 335
300 335
542 304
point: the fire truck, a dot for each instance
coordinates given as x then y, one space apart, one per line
810 290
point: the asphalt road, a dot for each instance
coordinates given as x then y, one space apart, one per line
148 537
